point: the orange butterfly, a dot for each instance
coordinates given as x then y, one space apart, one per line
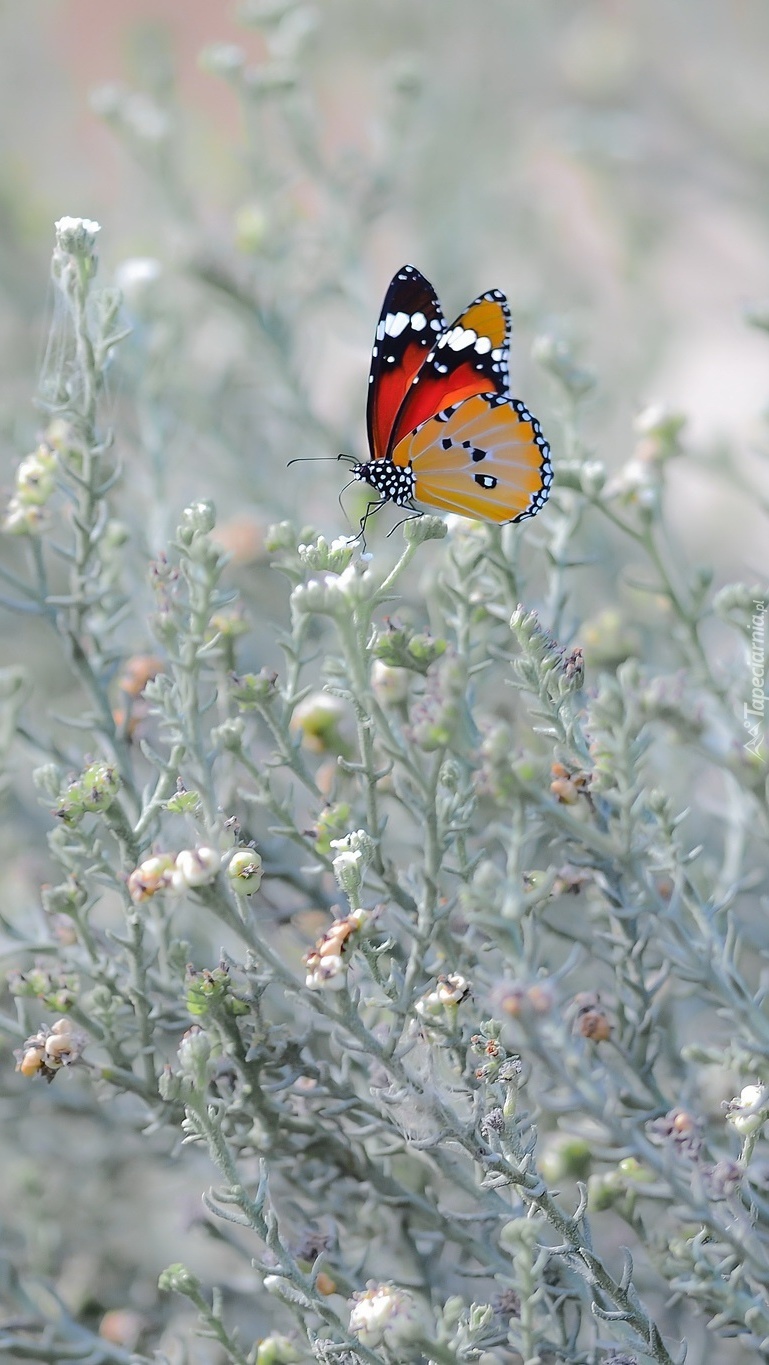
442 426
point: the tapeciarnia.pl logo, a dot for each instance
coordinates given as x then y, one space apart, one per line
754 710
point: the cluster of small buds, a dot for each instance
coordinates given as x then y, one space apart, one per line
34 485
211 990
747 1112
521 999
93 790
322 557
152 875
543 657
441 1003
400 649
353 855
277 1349
327 963
333 594
384 1315
48 1050
330 825
682 1130
57 990
163 872
500 1065
590 1018
568 786
74 260
253 690
317 720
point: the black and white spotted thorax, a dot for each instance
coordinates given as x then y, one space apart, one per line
393 482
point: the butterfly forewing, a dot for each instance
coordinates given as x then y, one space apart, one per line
469 357
409 325
485 457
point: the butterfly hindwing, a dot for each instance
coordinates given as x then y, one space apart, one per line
409 325
485 457
469 357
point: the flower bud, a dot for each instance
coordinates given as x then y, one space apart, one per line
317 720
384 1315
23 519
353 855
153 875
277 1350
194 1055
424 527
180 1280
195 867
245 871
199 519
389 685
36 477
324 558
748 1112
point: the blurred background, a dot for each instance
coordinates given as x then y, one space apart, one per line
275 163
260 171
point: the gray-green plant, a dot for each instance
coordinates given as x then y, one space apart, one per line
441 942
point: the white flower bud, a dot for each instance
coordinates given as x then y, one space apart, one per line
749 1111
325 971
196 867
385 1315
389 684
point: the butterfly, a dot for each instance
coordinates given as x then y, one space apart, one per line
443 428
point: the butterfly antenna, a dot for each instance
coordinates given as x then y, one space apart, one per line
342 490
313 459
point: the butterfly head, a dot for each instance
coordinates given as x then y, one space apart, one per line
393 482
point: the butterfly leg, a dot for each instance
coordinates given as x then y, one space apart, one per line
369 512
415 515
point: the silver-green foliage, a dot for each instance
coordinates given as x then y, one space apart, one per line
485 981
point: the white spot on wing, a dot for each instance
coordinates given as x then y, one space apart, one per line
458 338
395 323
483 345
418 321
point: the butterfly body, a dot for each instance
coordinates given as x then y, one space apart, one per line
442 426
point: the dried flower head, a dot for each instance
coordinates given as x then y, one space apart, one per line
326 964
590 1018
153 875
50 1049
681 1130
